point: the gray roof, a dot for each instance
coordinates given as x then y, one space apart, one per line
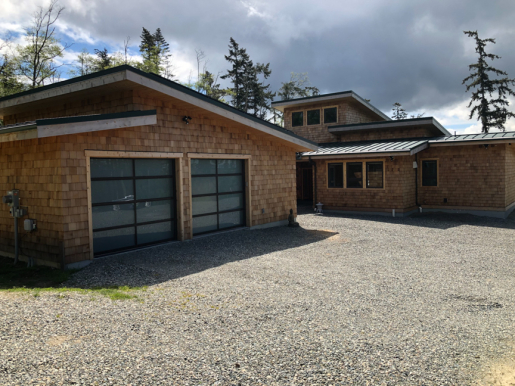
424 121
370 147
474 137
280 105
18 98
406 146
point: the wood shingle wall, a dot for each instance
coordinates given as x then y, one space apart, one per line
398 192
468 176
347 113
272 166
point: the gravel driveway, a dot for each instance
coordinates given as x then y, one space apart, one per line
428 300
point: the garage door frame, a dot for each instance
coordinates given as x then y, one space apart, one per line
247 158
124 154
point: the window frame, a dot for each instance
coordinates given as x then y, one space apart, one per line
319 117
363 162
330 107
421 183
303 120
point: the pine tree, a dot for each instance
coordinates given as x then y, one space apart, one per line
239 59
249 94
398 111
156 53
103 61
9 82
491 110
207 84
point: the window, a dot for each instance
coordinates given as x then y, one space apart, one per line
354 175
430 173
313 117
297 118
335 175
331 115
375 175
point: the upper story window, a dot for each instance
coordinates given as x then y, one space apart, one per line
331 115
297 118
313 117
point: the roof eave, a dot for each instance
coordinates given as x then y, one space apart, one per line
162 85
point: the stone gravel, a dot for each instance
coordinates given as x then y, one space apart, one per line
361 300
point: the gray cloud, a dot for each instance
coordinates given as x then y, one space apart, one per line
409 51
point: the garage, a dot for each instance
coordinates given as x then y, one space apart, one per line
218 194
133 203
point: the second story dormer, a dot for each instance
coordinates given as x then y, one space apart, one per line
346 117
311 117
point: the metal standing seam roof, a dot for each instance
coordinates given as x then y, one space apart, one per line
402 145
368 147
474 137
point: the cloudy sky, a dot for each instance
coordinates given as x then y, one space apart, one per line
408 51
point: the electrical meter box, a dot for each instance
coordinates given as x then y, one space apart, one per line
29 225
12 198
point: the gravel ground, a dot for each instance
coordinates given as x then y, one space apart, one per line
427 300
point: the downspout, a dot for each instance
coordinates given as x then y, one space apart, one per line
416 184
313 163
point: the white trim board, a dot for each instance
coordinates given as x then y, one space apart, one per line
91 126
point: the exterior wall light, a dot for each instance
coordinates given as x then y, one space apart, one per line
186 119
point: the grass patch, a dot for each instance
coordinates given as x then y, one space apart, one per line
19 275
34 281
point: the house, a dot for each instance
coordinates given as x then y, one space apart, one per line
368 163
123 159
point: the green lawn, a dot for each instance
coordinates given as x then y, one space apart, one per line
19 278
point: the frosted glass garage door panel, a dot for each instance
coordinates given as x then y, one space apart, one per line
230 166
203 166
231 219
154 188
230 184
110 167
115 191
204 205
153 167
107 216
153 233
104 241
203 185
154 210
204 224
230 202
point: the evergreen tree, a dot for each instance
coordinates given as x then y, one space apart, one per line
156 53
103 61
398 111
239 59
249 94
207 84
491 110
9 82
